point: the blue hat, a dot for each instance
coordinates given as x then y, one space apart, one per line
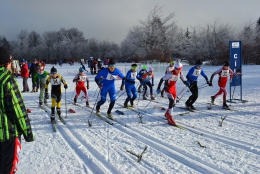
81 69
23 61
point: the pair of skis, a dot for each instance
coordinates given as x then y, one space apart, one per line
53 123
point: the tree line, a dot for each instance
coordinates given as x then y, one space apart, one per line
155 38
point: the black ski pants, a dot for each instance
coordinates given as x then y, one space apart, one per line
194 94
7 153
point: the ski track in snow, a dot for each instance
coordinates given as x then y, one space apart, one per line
102 148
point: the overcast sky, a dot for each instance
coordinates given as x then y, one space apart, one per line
111 19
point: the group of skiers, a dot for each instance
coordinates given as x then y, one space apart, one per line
105 80
106 77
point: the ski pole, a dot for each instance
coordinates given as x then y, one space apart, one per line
150 102
73 93
95 103
89 122
202 86
182 90
138 98
66 104
95 91
178 99
120 95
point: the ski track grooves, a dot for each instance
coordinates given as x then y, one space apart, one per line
108 167
233 142
140 166
188 160
94 164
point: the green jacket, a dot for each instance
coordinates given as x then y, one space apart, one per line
14 120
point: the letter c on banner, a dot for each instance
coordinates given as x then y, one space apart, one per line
235 56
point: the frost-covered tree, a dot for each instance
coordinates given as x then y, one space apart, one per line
151 38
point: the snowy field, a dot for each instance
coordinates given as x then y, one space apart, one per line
203 147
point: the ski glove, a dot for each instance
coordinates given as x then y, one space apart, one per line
208 83
158 91
46 95
193 84
100 85
122 87
186 83
65 86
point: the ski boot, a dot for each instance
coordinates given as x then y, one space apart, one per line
58 112
109 115
125 105
187 105
167 113
169 118
87 104
225 106
75 101
52 115
36 90
212 99
53 119
45 101
98 109
33 90
132 103
152 97
144 97
192 107
162 93
40 103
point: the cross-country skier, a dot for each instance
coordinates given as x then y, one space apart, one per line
148 80
130 86
223 73
192 78
139 77
168 69
42 77
55 80
105 80
170 89
80 80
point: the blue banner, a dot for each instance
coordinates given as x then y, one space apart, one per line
235 59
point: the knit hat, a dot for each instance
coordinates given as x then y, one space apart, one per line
144 67
81 69
226 63
150 70
198 63
5 56
178 65
23 61
134 64
112 62
53 70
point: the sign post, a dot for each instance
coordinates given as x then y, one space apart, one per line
235 57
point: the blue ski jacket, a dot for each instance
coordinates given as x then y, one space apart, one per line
194 73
